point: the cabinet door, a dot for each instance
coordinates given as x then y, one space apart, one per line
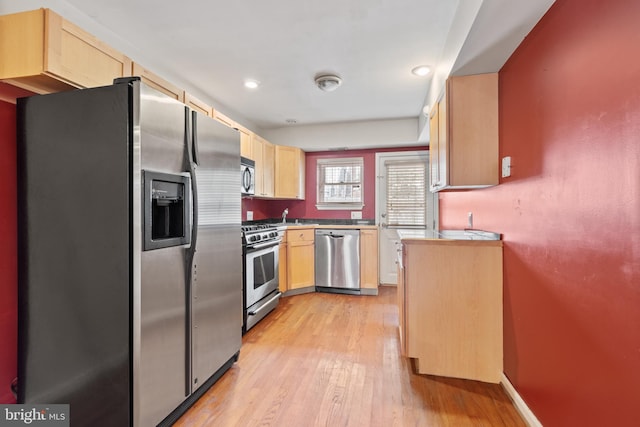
224 119
257 152
157 82
402 319
369 259
282 272
300 257
42 52
472 109
264 155
245 144
434 147
300 264
78 57
197 105
464 134
269 165
289 173
443 144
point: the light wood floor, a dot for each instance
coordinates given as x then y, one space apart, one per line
333 360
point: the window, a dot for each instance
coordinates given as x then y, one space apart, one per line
406 193
340 183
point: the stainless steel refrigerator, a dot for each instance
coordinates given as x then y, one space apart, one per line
130 263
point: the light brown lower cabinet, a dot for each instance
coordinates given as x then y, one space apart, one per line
450 307
369 260
297 259
282 265
300 258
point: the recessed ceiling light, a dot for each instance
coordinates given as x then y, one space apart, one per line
251 84
421 70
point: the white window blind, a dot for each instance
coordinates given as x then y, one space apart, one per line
340 183
406 193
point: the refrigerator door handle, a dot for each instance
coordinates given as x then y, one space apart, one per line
191 250
194 157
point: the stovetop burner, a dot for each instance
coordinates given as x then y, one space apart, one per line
259 234
257 227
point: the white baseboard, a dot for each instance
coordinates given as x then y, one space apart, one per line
528 416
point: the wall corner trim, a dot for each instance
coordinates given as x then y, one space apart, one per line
526 413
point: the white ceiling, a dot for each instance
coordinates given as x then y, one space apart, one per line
211 46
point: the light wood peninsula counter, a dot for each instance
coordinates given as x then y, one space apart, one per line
450 304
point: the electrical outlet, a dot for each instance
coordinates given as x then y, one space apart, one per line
506 166
356 214
249 215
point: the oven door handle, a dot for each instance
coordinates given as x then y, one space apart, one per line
266 304
266 244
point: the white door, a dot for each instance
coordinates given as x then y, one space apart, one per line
388 236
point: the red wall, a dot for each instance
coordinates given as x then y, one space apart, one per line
8 252
306 209
570 214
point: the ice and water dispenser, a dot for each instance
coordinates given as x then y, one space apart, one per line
166 210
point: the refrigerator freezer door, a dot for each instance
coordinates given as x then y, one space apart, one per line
161 363
217 275
74 259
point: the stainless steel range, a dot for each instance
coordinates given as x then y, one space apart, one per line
260 247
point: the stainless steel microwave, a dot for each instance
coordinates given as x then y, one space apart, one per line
247 176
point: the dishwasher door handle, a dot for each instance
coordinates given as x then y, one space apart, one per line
336 236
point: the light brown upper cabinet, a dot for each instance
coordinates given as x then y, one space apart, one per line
463 147
246 136
263 153
224 119
42 52
155 81
245 143
197 105
289 171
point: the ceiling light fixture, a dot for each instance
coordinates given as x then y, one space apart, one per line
328 82
251 84
421 70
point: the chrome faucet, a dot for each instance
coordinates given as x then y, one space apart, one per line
284 215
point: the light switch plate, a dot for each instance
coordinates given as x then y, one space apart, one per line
249 215
506 166
356 214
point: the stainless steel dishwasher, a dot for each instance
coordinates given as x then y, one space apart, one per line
337 261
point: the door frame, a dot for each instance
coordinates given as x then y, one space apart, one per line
434 216
432 204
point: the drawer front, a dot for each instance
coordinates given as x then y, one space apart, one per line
301 235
